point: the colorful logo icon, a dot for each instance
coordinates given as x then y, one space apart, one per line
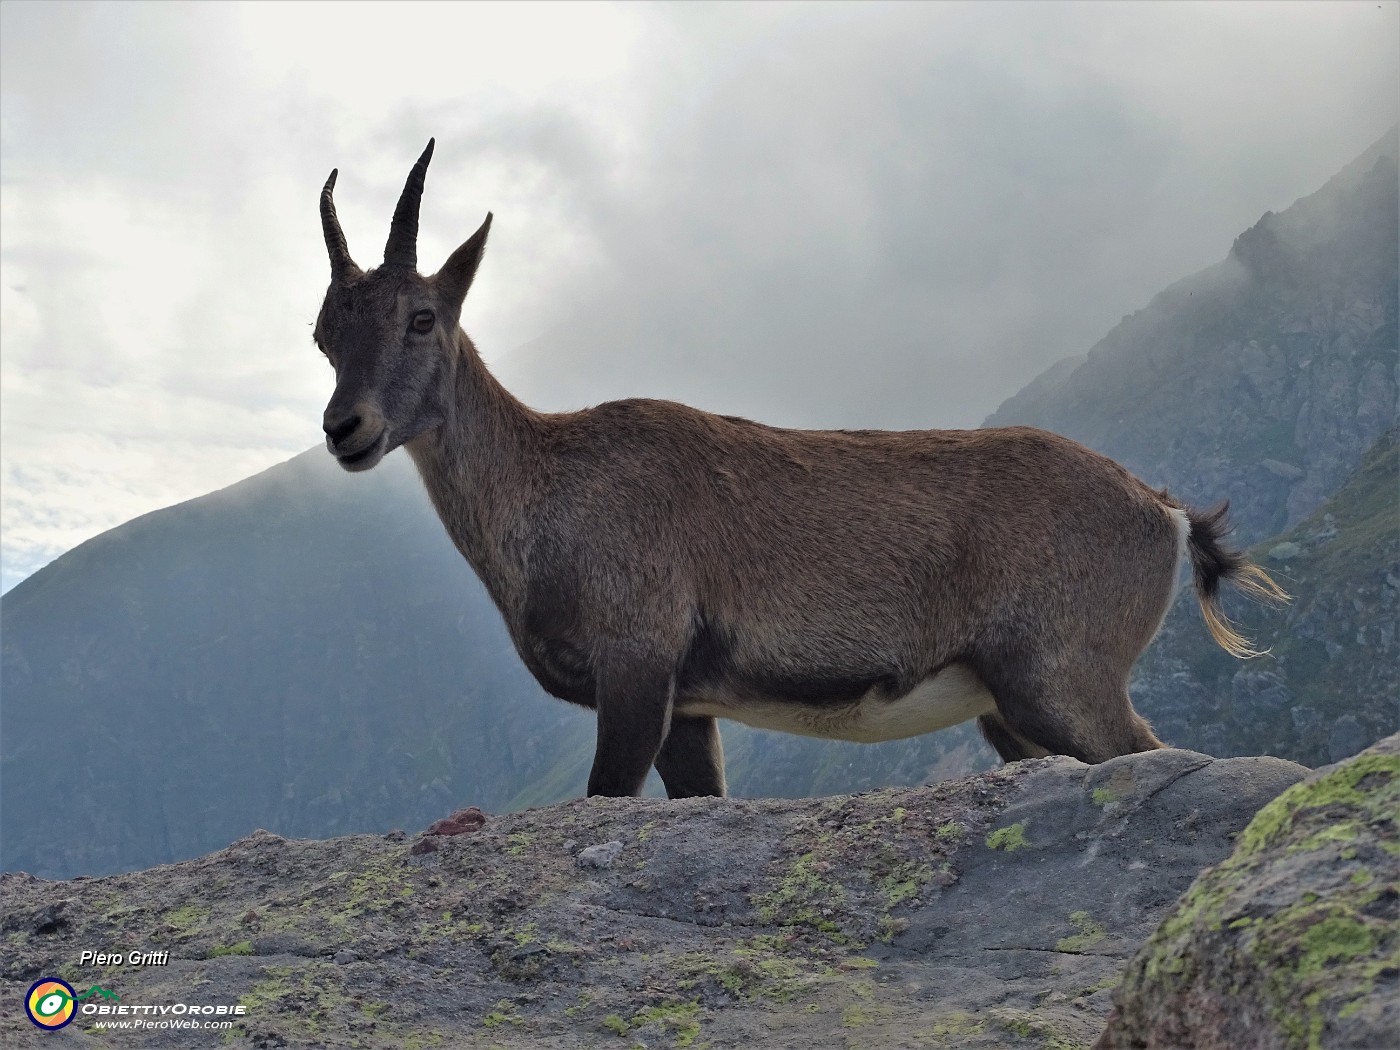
106 993
49 1003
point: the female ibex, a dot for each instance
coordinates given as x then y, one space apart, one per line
668 567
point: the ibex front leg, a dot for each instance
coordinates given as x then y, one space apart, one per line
634 715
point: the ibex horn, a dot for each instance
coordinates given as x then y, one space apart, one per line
341 262
402 247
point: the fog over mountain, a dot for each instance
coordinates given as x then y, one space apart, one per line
835 214
1264 379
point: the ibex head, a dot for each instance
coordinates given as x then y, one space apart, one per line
390 333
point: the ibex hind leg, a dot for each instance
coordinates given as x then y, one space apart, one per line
1008 745
691 761
1085 714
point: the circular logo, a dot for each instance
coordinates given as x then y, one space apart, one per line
49 1003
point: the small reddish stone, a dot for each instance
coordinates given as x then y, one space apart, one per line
461 822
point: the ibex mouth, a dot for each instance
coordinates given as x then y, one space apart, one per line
365 457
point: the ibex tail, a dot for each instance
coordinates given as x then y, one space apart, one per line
1213 561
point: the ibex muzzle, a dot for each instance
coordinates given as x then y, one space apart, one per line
667 567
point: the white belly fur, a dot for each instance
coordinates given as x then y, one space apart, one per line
953 695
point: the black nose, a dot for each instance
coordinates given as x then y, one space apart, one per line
341 429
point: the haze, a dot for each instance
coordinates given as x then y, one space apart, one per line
815 215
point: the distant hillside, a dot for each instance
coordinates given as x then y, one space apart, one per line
305 652
1329 685
1263 379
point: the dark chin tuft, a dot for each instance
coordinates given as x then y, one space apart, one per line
365 459
358 464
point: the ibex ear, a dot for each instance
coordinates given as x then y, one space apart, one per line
457 274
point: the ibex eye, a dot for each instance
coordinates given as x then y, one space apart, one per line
423 321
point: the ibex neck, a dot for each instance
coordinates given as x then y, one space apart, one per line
479 465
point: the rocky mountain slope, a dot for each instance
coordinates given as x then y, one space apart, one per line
1264 379
994 911
1328 686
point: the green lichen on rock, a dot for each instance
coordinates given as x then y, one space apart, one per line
378 889
1366 788
889 927
1010 838
951 832
1105 796
1324 957
759 968
186 919
680 1020
1031 1026
422 1040
241 948
614 1023
310 993
502 1014
1298 925
1089 934
956 1025
854 862
904 881
802 895
858 1015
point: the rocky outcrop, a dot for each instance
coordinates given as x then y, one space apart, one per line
1294 940
994 911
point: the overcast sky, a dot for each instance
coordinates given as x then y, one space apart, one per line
816 215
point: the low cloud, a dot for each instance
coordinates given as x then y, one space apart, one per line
821 215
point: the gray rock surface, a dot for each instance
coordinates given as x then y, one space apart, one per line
1294 941
601 856
995 911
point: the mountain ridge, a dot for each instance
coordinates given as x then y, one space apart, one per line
1262 379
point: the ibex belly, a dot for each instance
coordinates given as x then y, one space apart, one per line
953 695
